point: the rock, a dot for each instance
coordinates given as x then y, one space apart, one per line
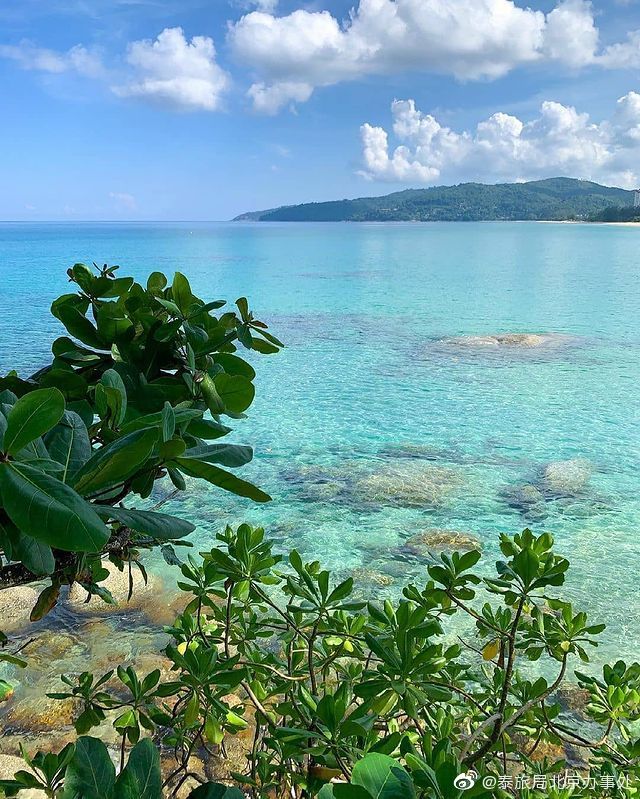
528 499
144 594
573 698
525 341
37 713
567 477
368 577
425 452
320 483
50 646
15 607
414 485
436 540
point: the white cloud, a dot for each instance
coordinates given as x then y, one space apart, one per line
123 200
559 141
78 59
625 55
470 39
571 35
172 71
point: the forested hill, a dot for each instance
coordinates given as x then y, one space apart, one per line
551 199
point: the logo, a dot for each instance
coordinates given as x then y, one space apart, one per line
465 781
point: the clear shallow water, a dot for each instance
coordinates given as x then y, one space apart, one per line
365 395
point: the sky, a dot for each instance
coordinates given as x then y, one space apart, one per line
201 110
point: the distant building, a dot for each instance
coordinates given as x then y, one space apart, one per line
636 198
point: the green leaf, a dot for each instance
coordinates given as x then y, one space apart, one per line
234 365
382 777
116 462
141 777
207 429
78 325
168 422
525 565
210 394
232 455
340 790
156 282
68 444
31 417
50 511
90 774
112 379
222 479
70 383
35 555
113 323
236 392
45 603
157 525
181 292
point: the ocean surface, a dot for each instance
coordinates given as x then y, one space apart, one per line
382 419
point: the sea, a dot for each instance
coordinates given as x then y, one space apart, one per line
406 407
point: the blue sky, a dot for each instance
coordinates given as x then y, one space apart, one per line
158 109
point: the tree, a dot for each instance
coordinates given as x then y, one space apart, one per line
124 403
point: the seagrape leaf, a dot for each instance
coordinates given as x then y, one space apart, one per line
31 417
68 444
90 774
181 292
35 555
115 462
343 791
182 416
207 429
141 777
112 379
382 777
49 511
158 525
232 455
236 391
222 479
78 325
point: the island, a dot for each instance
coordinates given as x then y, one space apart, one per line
553 200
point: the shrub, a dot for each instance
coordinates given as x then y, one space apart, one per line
122 405
425 696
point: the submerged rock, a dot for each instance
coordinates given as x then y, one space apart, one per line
574 698
526 498
437 540
15 607
412 486
524 341
425 452
34 712
321 483
567 477
371 577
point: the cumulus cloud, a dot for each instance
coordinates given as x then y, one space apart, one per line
469 39
559 141
175 72
77 59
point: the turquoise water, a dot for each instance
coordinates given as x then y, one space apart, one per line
371 427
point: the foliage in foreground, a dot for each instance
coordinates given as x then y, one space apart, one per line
121 405
338 697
